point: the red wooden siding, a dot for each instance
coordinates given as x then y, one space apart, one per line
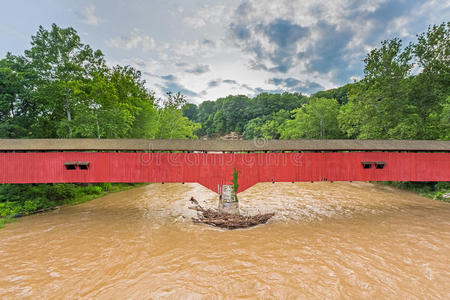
213 170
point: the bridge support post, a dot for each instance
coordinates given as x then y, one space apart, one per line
228 201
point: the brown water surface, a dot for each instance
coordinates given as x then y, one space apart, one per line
327 240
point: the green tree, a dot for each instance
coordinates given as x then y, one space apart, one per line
340 94
134 103
378 106
13 117
431 86
60 61
171 122
252 129
190 111
268 127
445 121
317 119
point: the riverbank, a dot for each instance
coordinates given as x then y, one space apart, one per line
433 190
17 200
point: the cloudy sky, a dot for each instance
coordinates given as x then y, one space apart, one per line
210 49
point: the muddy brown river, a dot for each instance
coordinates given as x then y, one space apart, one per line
327 240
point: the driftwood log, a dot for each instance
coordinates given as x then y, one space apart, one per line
227 220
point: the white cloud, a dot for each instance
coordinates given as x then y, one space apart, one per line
208 15
134 41
89 17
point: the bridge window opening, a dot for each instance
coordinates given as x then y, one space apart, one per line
83 165
380 164
367 164
70 165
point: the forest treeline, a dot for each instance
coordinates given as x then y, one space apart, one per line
405 94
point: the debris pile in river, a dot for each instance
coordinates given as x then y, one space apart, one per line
227 220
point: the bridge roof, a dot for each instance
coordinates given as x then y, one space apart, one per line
220 145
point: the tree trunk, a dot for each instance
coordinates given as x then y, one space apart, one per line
69 116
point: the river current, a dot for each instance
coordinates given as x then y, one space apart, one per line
327 240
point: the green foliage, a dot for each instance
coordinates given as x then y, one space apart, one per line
235 181
23 199
445 120
171 122
241 114
340 94
378 104
266 127
61 88
434 190
253 129
390 103
315 120
190 111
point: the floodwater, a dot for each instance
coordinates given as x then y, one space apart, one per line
327 240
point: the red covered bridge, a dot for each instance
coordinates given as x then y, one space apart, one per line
211 163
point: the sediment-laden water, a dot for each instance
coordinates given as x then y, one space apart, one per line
327 240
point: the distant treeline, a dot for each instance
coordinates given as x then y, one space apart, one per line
405 94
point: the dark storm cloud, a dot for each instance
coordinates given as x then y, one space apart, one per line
230 81
199 69
291 82
175 87
169 77
171 84
181 64
282 34
295 85
275 91
329 53
288 82
240 31
308 87
275 81
332 54
243 9
383 15
285 35
214 83
219 81
246 86
209 43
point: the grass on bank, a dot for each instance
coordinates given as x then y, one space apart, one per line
433 190
17 200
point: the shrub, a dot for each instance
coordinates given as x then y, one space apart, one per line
106 186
